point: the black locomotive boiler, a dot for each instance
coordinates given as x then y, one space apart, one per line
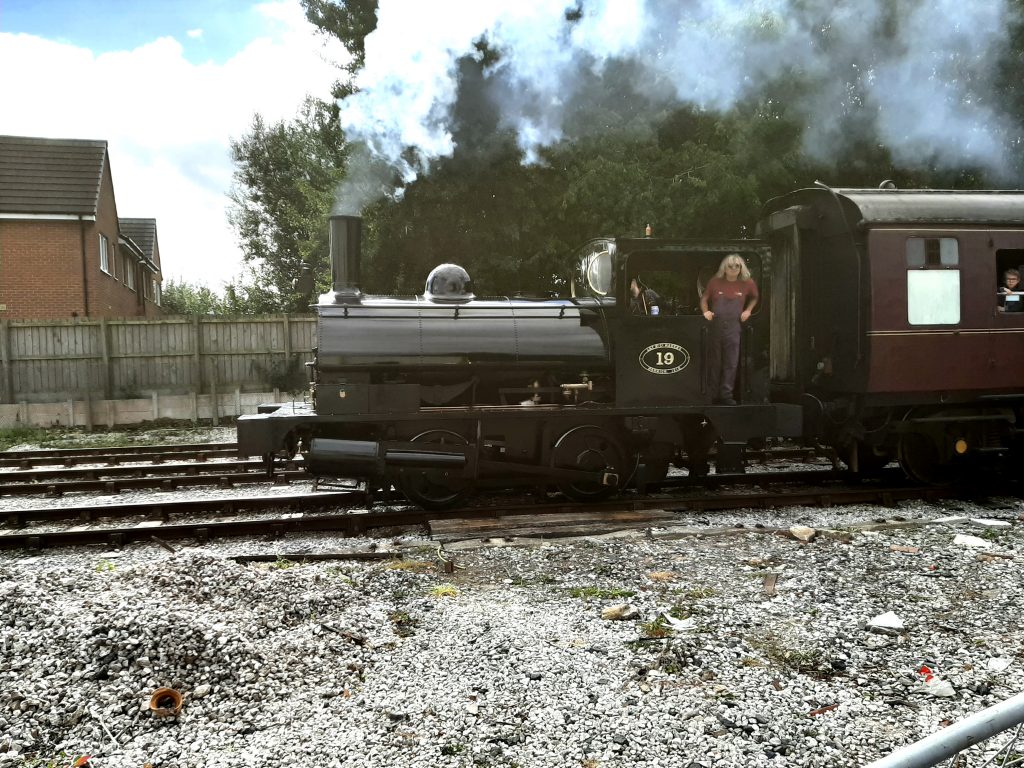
855 343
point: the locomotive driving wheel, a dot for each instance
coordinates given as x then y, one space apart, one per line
591 449
435 488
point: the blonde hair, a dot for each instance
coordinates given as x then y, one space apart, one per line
733 258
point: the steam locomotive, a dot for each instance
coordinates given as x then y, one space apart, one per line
878 334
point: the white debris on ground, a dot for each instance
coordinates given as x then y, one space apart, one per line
745 649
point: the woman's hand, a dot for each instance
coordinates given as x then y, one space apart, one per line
744 315
708 314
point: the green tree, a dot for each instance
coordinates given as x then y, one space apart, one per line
183 298
284 185
350 21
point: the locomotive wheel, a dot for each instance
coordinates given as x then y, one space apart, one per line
435 488
919 458
592 449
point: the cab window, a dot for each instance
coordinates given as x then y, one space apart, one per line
679 278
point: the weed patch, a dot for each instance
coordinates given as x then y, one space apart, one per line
587 593
411 566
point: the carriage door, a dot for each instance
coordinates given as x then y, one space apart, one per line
661 335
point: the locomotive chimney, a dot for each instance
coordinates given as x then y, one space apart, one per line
346 244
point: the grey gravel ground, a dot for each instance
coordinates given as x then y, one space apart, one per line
508 660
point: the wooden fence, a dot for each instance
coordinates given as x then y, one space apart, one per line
47 361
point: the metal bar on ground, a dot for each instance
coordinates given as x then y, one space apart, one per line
954 739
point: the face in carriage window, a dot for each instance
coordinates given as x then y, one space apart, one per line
1010 293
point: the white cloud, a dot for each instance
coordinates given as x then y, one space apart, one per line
168 121
194 33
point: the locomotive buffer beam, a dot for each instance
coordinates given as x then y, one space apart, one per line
368 458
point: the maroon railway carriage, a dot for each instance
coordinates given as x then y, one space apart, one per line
886 323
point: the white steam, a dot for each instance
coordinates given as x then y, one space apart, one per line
918 71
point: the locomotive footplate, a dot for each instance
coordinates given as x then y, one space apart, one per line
368 458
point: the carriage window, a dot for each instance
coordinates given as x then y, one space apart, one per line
1009 285
933 297
923 252
933 281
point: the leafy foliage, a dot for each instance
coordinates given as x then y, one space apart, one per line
513 219
349 21
183 298
285 178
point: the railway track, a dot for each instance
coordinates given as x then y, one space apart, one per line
118 478
59 472
170 520
155 454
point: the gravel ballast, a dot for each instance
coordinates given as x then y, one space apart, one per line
524 655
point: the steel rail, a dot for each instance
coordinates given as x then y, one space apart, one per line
120 449
211 476
233 464
154 454
353 523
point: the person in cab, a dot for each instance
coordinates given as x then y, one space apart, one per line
728 299
643 300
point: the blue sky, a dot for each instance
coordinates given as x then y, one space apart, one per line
210 30
168 85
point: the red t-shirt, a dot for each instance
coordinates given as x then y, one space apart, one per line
722 294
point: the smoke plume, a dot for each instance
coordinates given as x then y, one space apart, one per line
916 72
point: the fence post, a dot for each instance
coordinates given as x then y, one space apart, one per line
213 392
108 388
197 362
287 343
88 410
7 380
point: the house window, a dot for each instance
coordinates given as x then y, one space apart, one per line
157 297
129 275
105 254
933 281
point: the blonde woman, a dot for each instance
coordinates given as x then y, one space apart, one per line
728 300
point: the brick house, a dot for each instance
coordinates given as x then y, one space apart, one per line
63 250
